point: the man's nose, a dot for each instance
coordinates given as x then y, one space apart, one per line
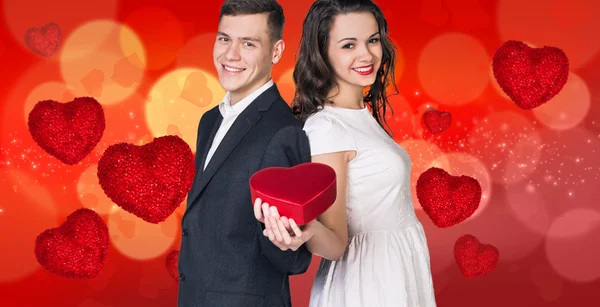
233 53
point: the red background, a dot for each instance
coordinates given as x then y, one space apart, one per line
538 168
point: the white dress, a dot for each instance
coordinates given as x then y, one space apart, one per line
386 262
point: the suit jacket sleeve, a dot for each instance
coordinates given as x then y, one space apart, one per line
288 147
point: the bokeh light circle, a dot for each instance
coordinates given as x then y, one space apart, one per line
181 209
453 68
90 192
177 101
568 108
27 209
108 72
508 144
88 302
286 85
399 65
566 179
160 31
569 25
198 52
549 284
154 279
20 15
514 242
111 266
125 122
140 240
572 245
22 92
440 242
400 121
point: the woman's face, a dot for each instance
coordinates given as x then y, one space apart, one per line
355 49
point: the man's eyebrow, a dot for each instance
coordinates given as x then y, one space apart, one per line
250 38
354 38
245 38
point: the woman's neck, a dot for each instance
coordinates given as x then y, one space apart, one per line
347 96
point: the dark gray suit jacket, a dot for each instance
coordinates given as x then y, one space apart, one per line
225 260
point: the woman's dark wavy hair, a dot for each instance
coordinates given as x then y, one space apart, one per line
313 74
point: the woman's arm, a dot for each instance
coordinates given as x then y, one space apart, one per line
330 230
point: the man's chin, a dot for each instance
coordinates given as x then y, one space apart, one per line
229 86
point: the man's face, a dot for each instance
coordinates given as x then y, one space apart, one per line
244 53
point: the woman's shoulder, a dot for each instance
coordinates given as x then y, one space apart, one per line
323 118
326 124
327 134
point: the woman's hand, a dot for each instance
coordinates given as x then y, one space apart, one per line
283 232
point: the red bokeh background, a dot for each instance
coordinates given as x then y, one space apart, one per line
538 168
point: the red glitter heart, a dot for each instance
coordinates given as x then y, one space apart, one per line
473 258
67 131
530 76
446 199
76 249
44 41
149 181
436 121
172 264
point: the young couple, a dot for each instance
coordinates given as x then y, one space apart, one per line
373 247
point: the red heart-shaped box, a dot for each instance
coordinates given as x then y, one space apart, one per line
302 192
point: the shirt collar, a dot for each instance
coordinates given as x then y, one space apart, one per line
227 109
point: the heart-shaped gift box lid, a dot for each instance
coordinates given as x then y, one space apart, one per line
301 192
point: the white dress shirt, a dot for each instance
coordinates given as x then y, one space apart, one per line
230 113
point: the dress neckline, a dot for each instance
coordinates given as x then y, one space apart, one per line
365 109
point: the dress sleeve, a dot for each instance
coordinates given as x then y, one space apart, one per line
327 134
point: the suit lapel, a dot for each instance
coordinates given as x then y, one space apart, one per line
232 138
215 123
209 136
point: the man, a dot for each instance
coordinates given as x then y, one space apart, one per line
225 260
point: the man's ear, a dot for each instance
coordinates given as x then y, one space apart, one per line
278 51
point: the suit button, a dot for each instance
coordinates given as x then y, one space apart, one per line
181 277
185 232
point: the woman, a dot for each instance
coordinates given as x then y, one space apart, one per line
373 247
